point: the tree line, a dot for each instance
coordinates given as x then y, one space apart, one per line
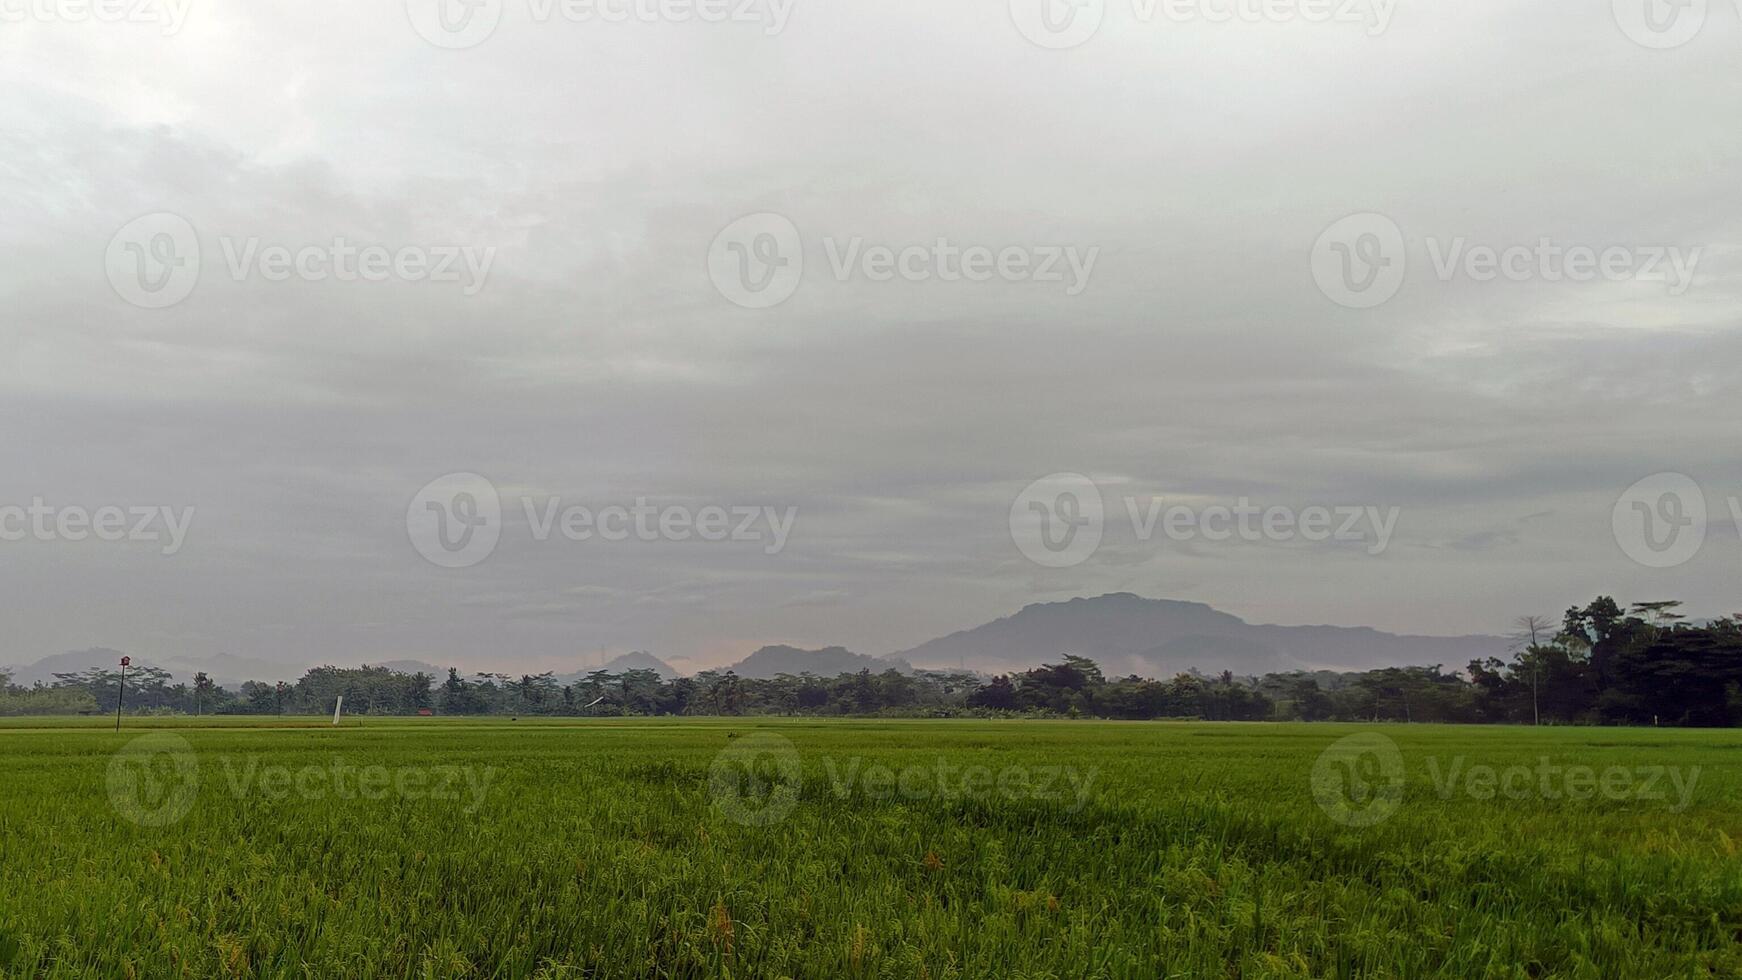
1602 664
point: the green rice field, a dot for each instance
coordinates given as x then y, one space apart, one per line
744 847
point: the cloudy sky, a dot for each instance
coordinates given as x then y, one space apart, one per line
564 301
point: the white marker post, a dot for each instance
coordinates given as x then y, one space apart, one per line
338 708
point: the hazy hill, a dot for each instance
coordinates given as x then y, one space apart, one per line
1161 637
226 670
827 662
641 660
622 664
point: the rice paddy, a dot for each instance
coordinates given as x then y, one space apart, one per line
745 847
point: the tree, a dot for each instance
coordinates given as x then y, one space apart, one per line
999 695
1531 630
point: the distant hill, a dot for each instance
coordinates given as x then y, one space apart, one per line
225 670
827 662
622 664
1126 633
641 660
71 662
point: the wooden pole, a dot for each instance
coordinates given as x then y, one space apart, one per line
121 695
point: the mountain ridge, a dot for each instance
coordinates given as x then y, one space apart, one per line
1125 633
772 661
1128 633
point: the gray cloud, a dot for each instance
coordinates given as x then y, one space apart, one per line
600 364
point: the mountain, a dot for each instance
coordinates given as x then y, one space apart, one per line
229 671
827 662
225 670
622 664
1126 633
71 662
640 660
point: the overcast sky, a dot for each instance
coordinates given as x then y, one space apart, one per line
1194 355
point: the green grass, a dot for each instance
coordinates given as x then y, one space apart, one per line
601 848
